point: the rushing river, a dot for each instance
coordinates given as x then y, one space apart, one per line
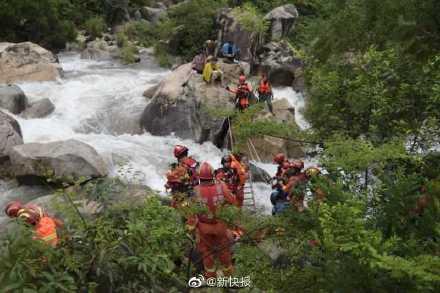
95 98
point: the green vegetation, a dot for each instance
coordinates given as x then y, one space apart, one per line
129 54
373 92
126 248
189 25
45 22
95 26
247 125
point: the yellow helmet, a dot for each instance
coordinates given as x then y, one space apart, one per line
312 172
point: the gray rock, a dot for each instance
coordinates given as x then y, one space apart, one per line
99 49
149 93
10 136
39 109
27 62
184 105
230 30
258 174
279 61
282 20
12 98
65 161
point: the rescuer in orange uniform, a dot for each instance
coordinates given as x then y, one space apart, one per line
228 175
265 93
181 154
214 239
45 227
242 174
242 93
296 187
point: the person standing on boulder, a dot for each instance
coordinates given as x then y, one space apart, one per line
265 93
242 93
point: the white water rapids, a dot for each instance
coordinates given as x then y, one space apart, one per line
88 97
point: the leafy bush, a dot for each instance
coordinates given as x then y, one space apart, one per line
43 22
95 27
129 54
189 25
126 248
121 39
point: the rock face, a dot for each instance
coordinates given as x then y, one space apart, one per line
10 136
282 20
279 61
184 104
65 160
39 109
268 146
27 62
230 30
12 98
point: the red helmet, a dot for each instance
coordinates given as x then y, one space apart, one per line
12 208
242 78
206 172
180 150
297 165
31 214
279 158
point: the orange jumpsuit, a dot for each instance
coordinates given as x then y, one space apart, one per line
213 237
46 230
292 183
242 177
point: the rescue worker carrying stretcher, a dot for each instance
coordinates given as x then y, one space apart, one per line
213 237
44 226
242 94
182 177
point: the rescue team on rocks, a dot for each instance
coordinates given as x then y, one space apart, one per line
193 184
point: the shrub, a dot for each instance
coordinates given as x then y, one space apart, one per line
128 54
95 26
125 248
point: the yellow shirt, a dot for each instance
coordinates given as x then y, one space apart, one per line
208 70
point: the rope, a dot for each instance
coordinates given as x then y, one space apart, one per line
255 150
295 140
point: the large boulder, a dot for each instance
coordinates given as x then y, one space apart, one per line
27 62
279 61
65 161
281 20
10 136
12 98
185 105
100 49
231 30
39 109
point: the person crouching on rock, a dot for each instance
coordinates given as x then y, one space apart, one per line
45 227
212 72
